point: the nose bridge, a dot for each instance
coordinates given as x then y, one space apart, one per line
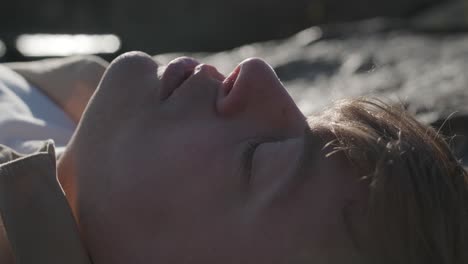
266 99
262 83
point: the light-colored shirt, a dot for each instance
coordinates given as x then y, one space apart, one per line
34 211
28 116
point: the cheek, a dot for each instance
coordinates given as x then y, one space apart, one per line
306 224
183 175
304 209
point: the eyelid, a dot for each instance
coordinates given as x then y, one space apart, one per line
249 153
247 156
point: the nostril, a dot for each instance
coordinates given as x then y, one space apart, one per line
253 86
229 82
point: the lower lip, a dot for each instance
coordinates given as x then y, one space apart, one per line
175 74
229 82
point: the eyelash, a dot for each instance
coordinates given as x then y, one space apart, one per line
248 154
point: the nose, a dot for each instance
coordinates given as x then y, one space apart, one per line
255 92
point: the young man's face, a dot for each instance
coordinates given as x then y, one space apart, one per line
178 164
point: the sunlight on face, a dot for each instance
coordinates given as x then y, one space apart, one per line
190 166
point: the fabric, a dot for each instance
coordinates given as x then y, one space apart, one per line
28 117
35 213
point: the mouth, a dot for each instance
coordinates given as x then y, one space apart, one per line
175 74
230 81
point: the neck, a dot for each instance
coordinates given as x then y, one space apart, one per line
66 175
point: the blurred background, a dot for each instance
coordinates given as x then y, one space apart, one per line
409 51
35 29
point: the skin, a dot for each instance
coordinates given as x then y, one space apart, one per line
158 177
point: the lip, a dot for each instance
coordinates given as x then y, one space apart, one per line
230 81
175 74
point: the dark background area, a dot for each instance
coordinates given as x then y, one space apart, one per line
187 25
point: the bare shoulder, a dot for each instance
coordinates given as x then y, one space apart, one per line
48 72
69 81
88 62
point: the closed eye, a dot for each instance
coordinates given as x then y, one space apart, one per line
249 153
247 157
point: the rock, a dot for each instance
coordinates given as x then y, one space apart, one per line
426 72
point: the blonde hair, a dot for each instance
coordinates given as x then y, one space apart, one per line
417 201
